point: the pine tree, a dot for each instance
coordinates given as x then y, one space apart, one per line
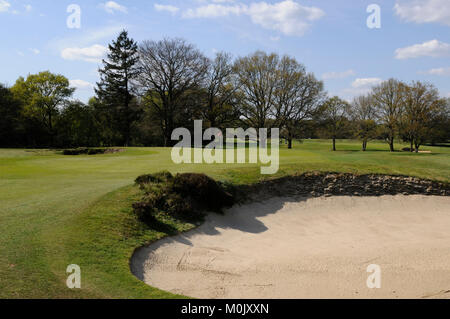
114 89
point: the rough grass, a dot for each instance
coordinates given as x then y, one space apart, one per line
58 210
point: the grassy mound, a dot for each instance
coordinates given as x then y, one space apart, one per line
183 196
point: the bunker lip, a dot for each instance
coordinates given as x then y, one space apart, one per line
308 248
364 192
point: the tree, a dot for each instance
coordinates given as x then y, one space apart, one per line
168 70
77 126
440 125
388 100
115 87
335 112
363 114
11 125
220 96
421 104
298 96
258 78
42 94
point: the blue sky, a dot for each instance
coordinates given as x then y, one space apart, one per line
330 37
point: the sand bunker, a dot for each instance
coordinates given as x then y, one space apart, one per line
309 248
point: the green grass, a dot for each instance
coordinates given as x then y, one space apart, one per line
58 210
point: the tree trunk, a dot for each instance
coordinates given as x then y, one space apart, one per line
412 147
364 146
289 140
391 144
50 127
334 144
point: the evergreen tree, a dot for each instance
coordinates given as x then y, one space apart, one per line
114 89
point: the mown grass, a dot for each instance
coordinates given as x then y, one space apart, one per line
58 210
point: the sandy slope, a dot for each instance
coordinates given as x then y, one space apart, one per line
314 248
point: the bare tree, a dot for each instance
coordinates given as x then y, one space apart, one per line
335 115
168 69
257 77
298 96
388 99
421 102
363 114
220 99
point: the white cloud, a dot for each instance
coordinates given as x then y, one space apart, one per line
433 48
366 82
87 38
288 16
360 86
81 84
4 6
94 53
438 71
423 11
161 7
28 7
214 11
338 75
111 7
35 51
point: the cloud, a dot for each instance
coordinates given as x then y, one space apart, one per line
360 86
28 7
438 71
366 82
275 39
338 75
215 11
81 84
288 17
86 38
161 7
35 51
433 48
94 53
4 6
423 11
111 7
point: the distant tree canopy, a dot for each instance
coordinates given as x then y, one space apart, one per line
147 90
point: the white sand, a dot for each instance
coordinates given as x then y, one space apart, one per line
315 248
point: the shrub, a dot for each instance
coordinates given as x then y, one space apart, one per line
184 196
204 190
84 151
160 177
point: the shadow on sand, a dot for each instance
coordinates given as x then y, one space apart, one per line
233 218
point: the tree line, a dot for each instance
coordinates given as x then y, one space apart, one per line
147 90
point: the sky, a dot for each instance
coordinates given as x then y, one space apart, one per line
408 39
